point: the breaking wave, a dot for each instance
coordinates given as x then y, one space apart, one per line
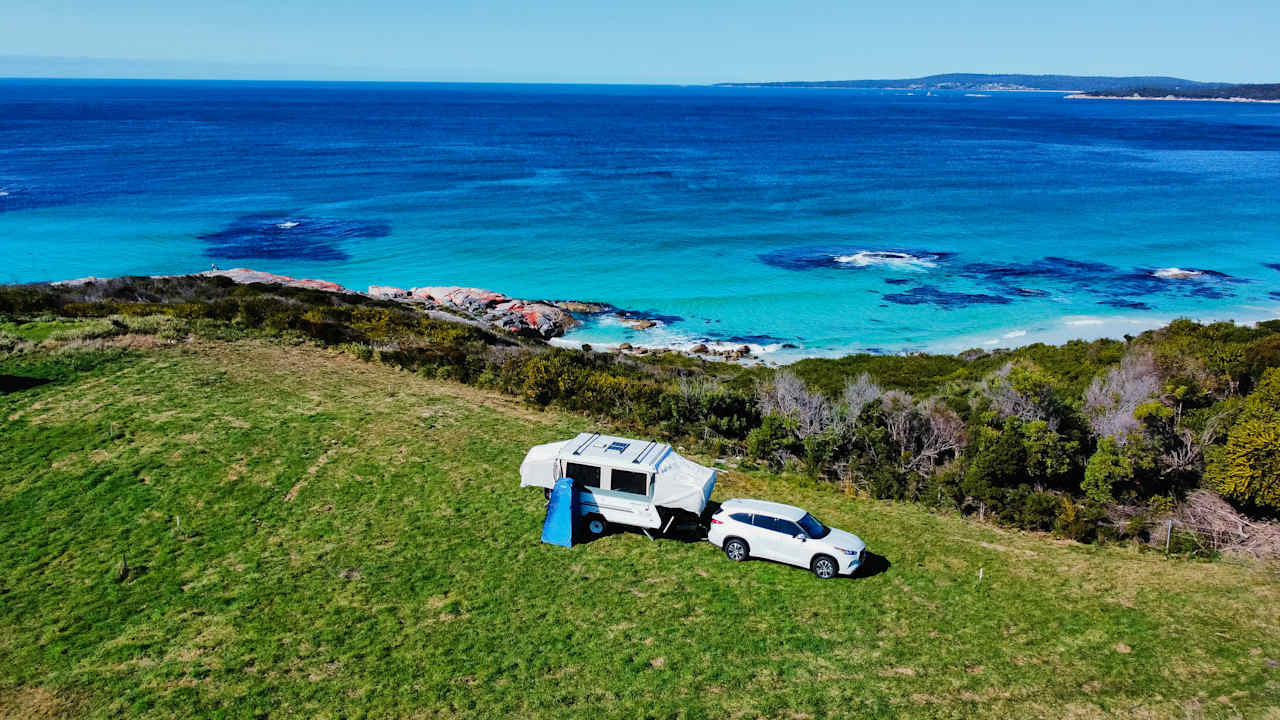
897 260
853 258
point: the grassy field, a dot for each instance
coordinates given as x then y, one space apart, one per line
308 535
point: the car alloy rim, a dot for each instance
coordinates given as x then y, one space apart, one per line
824 568
735 551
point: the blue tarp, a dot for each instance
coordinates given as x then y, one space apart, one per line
562 514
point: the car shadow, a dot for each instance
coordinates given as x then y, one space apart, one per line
18 383
872 565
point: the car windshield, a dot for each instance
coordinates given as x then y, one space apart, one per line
812 527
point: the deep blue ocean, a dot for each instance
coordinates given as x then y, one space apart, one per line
830 220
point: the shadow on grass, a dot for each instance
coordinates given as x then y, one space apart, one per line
872 565
18 383
686 533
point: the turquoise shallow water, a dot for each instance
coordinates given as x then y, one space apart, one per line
829 220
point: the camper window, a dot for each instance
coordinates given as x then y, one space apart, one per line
583 475
629 482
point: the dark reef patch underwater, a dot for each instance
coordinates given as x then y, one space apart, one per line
284 236
930 295
1002 283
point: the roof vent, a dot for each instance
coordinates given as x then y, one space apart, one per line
619 447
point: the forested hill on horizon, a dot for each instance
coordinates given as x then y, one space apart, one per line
980 81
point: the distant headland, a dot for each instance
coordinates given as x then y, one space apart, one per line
1143 87
986 82
1230 93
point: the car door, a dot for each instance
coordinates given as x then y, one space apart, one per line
792 543
765 542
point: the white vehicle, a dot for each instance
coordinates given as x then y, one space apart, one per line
641 483
773 531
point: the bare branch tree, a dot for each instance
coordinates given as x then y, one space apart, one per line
926 433
1008 401
787 396
1187 449
941 435
1110 401
899 417
857 395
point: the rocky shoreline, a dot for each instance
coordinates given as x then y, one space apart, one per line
536 319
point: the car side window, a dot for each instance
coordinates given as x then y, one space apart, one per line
741 517
583 475
764 522
786 527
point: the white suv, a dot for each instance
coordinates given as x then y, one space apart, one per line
773 531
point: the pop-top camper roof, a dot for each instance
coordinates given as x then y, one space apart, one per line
639 455
678 483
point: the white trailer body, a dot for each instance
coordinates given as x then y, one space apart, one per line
625 481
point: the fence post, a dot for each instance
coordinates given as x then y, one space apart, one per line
1168 534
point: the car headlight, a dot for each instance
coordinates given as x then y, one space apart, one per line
847 552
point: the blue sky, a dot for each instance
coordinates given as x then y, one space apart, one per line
655 41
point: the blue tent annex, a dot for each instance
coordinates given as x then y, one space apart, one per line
562 513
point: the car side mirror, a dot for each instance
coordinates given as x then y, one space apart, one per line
802 537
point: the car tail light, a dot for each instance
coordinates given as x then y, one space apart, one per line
716 522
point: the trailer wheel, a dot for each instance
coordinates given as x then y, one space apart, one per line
736 549
595 526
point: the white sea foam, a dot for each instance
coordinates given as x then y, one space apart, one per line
657 339
288 224
1084 321
1014 334
1176 273
897 260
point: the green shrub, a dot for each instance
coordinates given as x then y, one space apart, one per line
1078 520
1038 511
1187 543
164 326
1107 469
1000 461
91 330
771 440
1247 470
819 449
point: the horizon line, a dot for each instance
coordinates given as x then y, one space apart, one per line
64 67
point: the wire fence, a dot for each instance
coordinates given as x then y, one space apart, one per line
1205 522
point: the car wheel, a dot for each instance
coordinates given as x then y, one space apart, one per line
825 567
736 549
596 526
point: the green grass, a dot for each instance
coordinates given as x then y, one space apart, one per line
41 329
312 536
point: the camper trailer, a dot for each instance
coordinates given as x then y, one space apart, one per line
641 483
